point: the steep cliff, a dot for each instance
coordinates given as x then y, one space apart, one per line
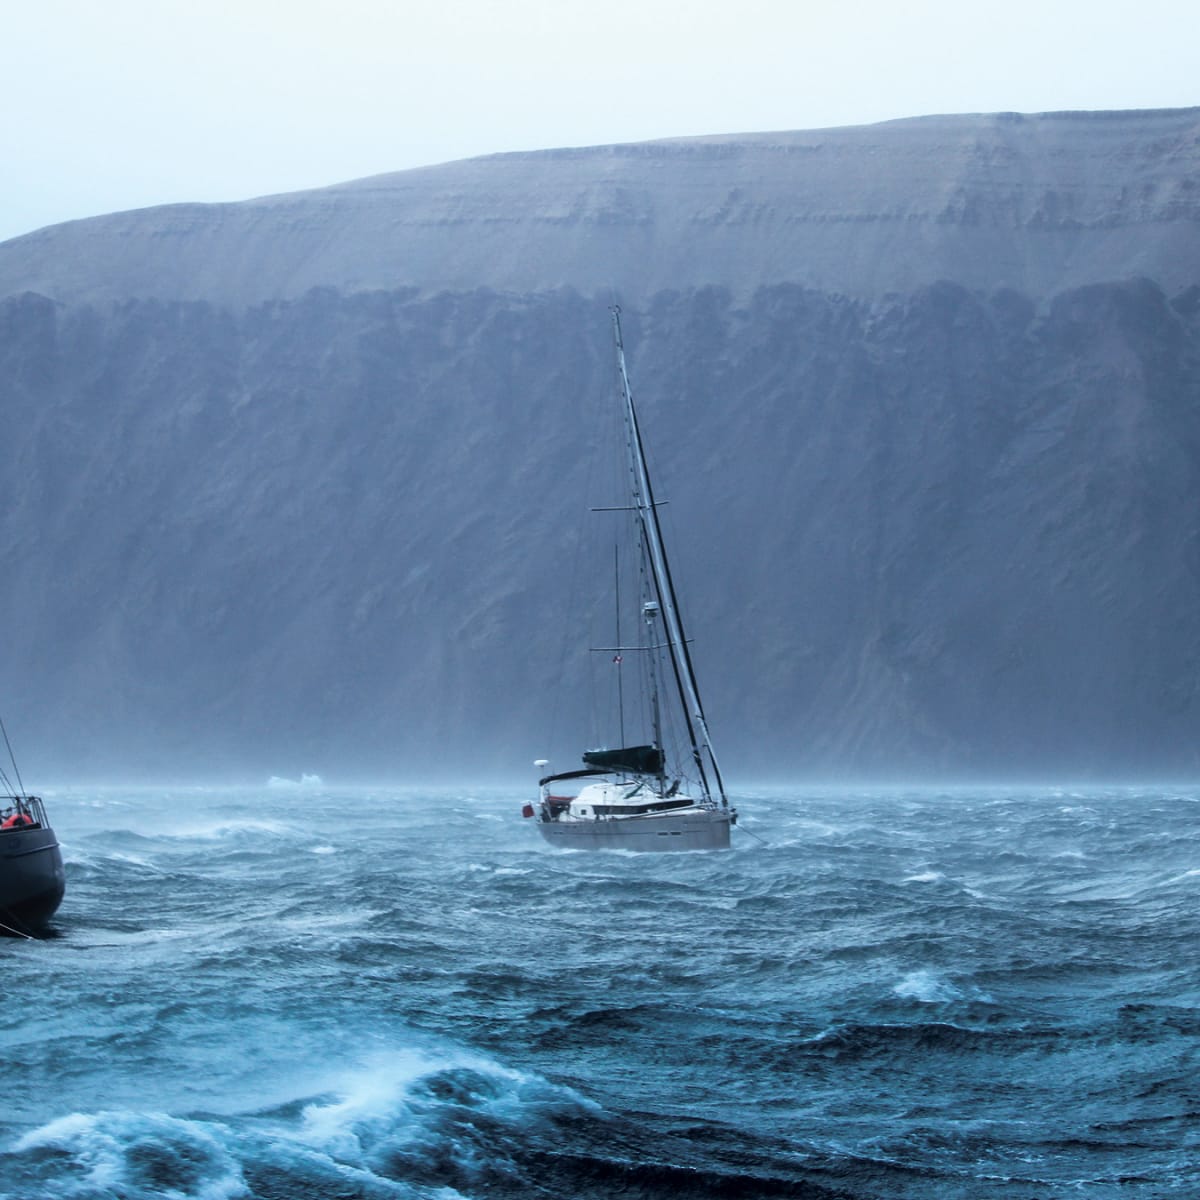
297 484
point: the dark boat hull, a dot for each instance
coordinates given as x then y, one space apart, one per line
32 878
703 829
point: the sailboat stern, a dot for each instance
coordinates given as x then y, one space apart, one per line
32 878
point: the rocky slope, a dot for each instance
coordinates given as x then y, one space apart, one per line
297 484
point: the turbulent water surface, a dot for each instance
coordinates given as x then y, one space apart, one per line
294 992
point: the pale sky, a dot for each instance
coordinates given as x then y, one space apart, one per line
115 104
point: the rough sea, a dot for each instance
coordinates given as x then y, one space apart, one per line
296 992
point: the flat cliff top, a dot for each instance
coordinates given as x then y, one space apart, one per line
1037 203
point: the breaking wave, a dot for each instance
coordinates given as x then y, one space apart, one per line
404 1124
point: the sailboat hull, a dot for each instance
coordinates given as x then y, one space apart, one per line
699 829
32 878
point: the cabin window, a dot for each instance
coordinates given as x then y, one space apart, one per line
649 805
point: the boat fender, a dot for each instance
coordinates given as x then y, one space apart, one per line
527 811
17 820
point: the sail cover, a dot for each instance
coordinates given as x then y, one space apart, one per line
638 760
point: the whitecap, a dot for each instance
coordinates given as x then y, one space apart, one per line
1195 871
386 1100
225 828
107 1150
358 1119
333 920
927 987
119 858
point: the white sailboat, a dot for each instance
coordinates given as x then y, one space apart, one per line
665 792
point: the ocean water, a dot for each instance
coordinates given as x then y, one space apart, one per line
296 992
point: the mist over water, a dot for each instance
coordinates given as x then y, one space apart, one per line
297 991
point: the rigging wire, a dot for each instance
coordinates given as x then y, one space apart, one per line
13 757
574 610
680 655
617 659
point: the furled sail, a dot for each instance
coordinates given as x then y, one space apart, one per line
637 760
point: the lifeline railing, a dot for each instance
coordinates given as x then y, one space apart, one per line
20 806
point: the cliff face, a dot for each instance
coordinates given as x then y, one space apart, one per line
1036 203
267 510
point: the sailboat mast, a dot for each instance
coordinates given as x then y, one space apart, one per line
681 659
